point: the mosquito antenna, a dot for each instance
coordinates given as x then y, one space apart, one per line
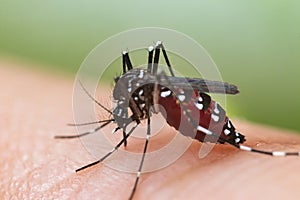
90 123
97 102
83 134
126 60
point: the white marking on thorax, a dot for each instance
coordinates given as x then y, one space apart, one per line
181 97
141 92
120 112
141 75
165 93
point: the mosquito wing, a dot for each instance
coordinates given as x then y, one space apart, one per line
201 85
185 83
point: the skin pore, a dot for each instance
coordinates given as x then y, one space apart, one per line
35 106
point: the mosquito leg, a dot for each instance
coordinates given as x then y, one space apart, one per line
142 160
167 59
126 62
124 137
159 46
148 100
271 153
150 58
90 123
109 153
83 134
156 58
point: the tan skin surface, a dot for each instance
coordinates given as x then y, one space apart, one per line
35 106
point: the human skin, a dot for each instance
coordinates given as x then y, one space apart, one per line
35 106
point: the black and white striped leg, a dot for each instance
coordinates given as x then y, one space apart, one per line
147 92
150 58
271 153
90 123
159 46
250 149
126 62
112 151
167 59
156 58
85 133
142 160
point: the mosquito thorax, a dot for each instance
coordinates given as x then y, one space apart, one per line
129 93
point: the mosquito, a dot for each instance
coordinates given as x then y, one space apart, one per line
189 109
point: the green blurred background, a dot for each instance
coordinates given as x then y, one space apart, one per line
255 44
